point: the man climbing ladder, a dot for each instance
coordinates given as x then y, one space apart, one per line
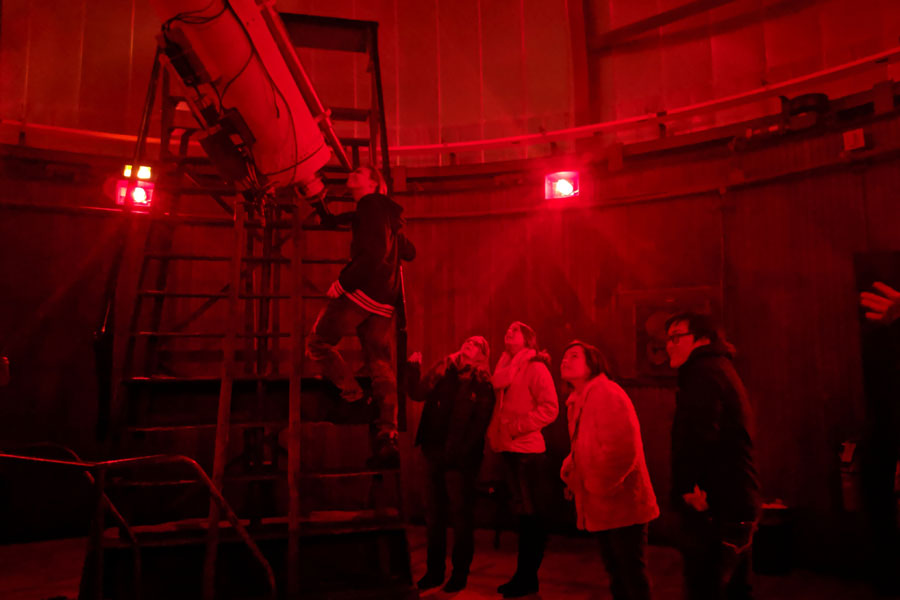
361 302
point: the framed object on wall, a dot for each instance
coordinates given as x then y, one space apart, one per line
649 311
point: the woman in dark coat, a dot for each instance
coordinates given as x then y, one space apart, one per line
459 401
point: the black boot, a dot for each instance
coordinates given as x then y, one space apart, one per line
430 580
456 583
501 589
518 589
532 540
520 562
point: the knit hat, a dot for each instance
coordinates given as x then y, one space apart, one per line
528 334
482 345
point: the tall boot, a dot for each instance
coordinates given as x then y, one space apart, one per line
537 541
531 552
522 539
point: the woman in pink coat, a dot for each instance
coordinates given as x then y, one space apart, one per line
605 472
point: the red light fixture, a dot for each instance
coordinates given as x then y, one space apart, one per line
563 184
141 188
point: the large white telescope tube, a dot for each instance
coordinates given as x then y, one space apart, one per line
238 66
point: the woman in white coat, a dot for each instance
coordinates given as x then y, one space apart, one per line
605 472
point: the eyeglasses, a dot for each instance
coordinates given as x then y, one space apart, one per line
674 337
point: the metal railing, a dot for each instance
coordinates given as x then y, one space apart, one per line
96 472
124 528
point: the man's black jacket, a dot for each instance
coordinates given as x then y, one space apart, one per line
372 276
712 436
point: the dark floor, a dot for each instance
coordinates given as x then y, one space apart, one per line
571 570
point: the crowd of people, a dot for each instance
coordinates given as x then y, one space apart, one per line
714 485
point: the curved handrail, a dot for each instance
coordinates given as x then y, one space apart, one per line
123 524
157 459
215 494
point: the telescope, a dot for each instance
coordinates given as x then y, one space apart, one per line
246 87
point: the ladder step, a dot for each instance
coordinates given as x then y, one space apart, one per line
325 261
345 521
199 190
174 334
356 142
213 258
347 473
209 334
334 522
164 294
323 228
266 476
263 259
187 257
255 224
264 297
202 426
350 114
256 477
200 220
133 483
211 356
250 259
163 380
334 167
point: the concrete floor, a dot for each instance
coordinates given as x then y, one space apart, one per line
41 570
572 570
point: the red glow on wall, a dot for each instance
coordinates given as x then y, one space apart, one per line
563 184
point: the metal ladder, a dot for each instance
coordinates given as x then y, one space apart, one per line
250 357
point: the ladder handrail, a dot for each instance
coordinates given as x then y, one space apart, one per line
159 459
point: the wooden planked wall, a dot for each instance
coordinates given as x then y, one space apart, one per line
733 47
777 253
451 71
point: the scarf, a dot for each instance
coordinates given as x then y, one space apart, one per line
508 368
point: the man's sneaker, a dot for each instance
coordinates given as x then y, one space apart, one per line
353 395
385 452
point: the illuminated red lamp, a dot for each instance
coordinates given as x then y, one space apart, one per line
563 184
141 188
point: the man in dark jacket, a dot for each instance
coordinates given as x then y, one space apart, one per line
880 447
714 483
362 301
459 401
